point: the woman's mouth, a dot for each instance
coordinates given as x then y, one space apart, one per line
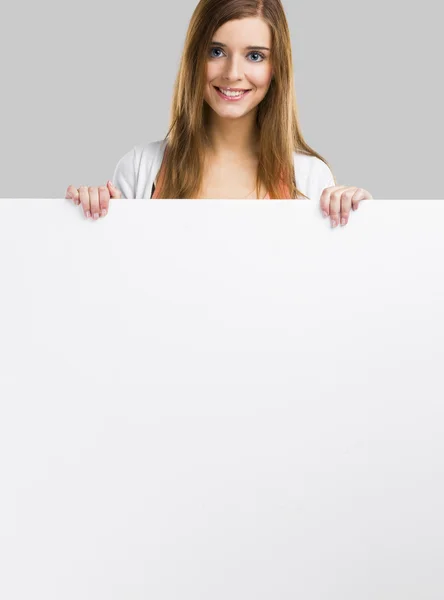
233 97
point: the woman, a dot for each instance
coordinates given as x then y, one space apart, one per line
224 143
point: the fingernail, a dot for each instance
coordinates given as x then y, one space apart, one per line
325 213
88 214
343 221
96 215
103 212
334 223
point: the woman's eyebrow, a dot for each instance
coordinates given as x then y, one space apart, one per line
246 48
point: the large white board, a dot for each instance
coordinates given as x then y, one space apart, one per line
221 400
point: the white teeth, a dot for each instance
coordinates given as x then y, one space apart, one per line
226 93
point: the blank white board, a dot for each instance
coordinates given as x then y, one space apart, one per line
221 399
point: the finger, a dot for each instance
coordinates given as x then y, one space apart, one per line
84 199
325 200
346 203
72 193
335 204
103 200
115 193
360 195
94 201
326 196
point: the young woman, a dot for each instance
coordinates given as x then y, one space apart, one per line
234 131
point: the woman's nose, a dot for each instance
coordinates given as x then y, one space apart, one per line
233 69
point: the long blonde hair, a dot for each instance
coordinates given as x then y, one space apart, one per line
277 115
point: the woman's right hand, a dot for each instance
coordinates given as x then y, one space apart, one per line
94 200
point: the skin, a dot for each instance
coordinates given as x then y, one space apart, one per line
94 200
336 202
232 129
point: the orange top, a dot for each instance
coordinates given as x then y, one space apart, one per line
160 176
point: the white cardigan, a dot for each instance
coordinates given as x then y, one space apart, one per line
136 171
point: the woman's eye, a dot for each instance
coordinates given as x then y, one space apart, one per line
256 53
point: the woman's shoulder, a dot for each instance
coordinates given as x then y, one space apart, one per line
148 150
136 169
309 165
140 153
313 168
312 173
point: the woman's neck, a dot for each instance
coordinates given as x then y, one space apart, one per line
233 139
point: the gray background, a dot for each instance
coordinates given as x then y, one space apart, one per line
84 82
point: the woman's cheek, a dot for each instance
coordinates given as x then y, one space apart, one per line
211 72
263 79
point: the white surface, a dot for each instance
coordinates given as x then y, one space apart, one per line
221 399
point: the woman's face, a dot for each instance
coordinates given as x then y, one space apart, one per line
231 64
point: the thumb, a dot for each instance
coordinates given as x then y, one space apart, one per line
113 191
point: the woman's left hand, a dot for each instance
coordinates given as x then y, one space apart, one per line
337 200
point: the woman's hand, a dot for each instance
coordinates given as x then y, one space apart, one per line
337 200
95 201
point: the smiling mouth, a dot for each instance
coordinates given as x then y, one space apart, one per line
218 88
